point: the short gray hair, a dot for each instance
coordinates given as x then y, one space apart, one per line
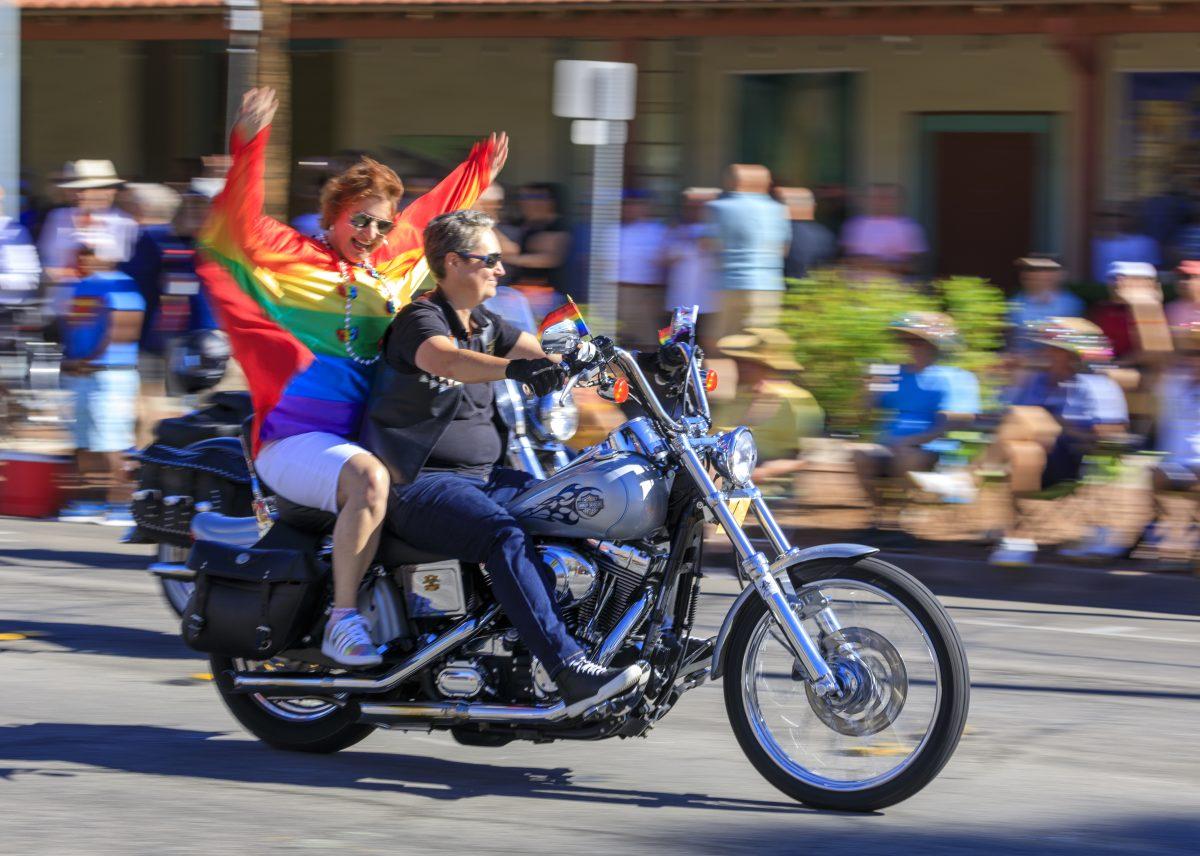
456 232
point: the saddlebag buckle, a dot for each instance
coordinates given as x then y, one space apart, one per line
262 637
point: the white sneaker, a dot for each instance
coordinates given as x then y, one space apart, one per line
349 642
954 486
1098 545
1014 553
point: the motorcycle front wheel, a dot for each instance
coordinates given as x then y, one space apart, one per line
903 698
317 725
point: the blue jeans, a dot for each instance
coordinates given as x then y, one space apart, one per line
466 519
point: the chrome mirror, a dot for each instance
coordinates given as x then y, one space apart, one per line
560 338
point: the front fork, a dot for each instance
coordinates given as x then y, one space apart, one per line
770 580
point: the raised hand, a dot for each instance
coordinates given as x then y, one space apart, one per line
257 111
499 146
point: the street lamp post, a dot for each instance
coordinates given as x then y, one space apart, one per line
600 97
244 22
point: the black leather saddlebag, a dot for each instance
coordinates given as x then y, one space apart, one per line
221 417
173 482
250 602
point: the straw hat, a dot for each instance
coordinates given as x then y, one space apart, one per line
88 174
936 328
764 345
1076 335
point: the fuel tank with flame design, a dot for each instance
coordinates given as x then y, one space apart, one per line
619 496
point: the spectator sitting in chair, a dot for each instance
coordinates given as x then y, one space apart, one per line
767 400
925 399
1178 432
1056 416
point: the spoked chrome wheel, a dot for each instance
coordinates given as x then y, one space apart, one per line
291 709
868 732
317 724
902 695
177 592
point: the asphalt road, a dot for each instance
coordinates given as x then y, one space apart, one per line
1082 739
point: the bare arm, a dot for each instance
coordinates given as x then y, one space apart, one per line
439 356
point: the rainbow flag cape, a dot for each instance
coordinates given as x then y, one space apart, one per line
280 297
567 312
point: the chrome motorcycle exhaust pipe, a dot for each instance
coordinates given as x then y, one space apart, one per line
460 711
289 684
172 571
626 624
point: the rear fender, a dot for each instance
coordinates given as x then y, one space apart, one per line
844 554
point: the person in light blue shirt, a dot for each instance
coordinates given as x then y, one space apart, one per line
100 333
921 400
1041 297
1118 240
751 233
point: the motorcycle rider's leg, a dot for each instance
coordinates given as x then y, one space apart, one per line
451 515
455 516
362 503
362 493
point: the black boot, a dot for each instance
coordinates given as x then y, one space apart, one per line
583 684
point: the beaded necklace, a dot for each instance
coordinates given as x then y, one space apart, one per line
348 289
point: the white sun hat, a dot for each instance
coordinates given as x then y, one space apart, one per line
88 174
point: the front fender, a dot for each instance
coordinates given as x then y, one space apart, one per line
845 554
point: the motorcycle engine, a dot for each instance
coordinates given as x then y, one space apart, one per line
594 587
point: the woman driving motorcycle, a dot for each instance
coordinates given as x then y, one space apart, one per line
305 317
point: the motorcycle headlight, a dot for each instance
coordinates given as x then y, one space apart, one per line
736 456
560 421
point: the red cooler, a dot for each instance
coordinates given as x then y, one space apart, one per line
31 484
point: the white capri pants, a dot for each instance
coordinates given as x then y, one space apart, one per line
304 468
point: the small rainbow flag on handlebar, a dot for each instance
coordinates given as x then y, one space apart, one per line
567 312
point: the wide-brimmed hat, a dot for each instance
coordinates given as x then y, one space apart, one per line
1076 335
89 174
764 345
1138 269
1038 262
936 328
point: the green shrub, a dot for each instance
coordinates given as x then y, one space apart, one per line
840 327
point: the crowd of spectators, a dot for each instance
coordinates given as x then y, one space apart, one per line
114 265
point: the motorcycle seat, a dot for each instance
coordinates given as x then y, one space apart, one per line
392 551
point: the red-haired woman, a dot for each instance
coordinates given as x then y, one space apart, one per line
305 317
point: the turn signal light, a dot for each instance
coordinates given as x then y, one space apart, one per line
620 390
710 380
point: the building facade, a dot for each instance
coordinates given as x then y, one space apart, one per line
1007 125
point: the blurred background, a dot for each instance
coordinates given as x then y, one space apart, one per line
808 175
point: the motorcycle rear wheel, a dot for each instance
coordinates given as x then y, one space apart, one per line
285 723
176 592
840 758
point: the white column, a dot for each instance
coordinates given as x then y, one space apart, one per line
10 105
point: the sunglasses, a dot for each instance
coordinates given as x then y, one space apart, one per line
362 220
489 261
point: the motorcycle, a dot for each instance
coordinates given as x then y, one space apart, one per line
845 681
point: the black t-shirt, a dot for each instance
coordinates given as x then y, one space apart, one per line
471 443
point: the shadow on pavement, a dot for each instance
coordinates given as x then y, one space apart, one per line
104 639
1163 834
68 557
151 750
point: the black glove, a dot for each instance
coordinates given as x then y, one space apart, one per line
541 375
